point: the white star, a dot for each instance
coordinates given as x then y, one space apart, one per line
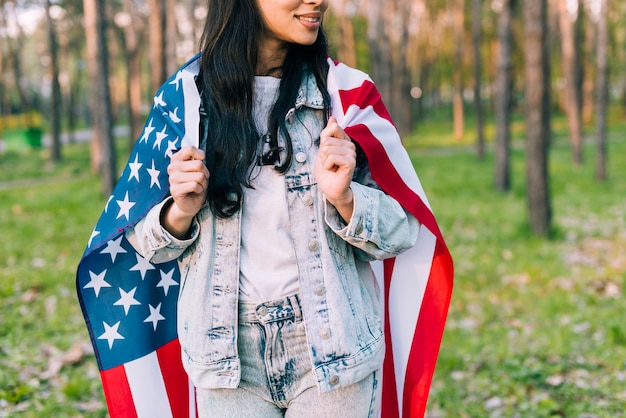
97 282
142 266
147 131
134 169
114 247
171 147
167 281
125 206
160 136
155 316
110 333
127 300
106 207
179 77
154 176
173 116
158 101
93 235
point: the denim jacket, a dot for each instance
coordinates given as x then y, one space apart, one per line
338 291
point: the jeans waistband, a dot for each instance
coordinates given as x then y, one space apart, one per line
271 311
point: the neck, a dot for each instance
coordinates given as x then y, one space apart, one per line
271 58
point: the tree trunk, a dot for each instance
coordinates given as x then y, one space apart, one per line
156 36
102 113
379 49
503 98
570 76
57 102
589 83
4 97
133 74
478 72
457 99
345 35
602 100
537 75
91 41
15 48
171 63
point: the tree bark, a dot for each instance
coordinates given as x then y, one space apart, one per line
156 36
602 98
4 98
570 76
478 72
102 112
345 39
458 113
133 74
537 75
503 98
57 102
91 41
379 49
589 83
171 63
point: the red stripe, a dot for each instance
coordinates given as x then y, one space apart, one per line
175 378
365 95
433 311
389 407
117 393
428 333
386 176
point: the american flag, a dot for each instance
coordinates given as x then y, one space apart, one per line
129 304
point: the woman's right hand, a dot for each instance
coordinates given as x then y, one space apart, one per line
189 179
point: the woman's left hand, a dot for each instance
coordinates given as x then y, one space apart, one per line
334 167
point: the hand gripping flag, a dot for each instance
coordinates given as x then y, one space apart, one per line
129 303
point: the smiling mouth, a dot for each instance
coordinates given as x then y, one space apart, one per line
310 19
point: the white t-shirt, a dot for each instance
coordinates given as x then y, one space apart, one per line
268 268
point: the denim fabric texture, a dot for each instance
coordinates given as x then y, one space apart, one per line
338 291
276 375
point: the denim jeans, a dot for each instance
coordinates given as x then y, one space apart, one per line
277 379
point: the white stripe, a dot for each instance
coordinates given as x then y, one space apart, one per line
192 105
388 136
148 388
406 293
192 400
347 77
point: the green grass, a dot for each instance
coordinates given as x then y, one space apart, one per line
536 327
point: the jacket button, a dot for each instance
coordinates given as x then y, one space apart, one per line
314 245
334 380
307 200
301 157
262 311
319 290
325 334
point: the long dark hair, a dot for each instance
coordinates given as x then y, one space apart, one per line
228 64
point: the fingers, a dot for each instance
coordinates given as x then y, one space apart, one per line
187 172
336 149
333 130
188 153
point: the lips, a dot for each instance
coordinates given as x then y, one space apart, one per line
309 17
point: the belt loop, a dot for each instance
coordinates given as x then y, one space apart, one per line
294 300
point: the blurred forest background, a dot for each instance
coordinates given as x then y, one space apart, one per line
514 113
67 65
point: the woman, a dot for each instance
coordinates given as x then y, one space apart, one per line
274 219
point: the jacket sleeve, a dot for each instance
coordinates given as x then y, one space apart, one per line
379 228
154 242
